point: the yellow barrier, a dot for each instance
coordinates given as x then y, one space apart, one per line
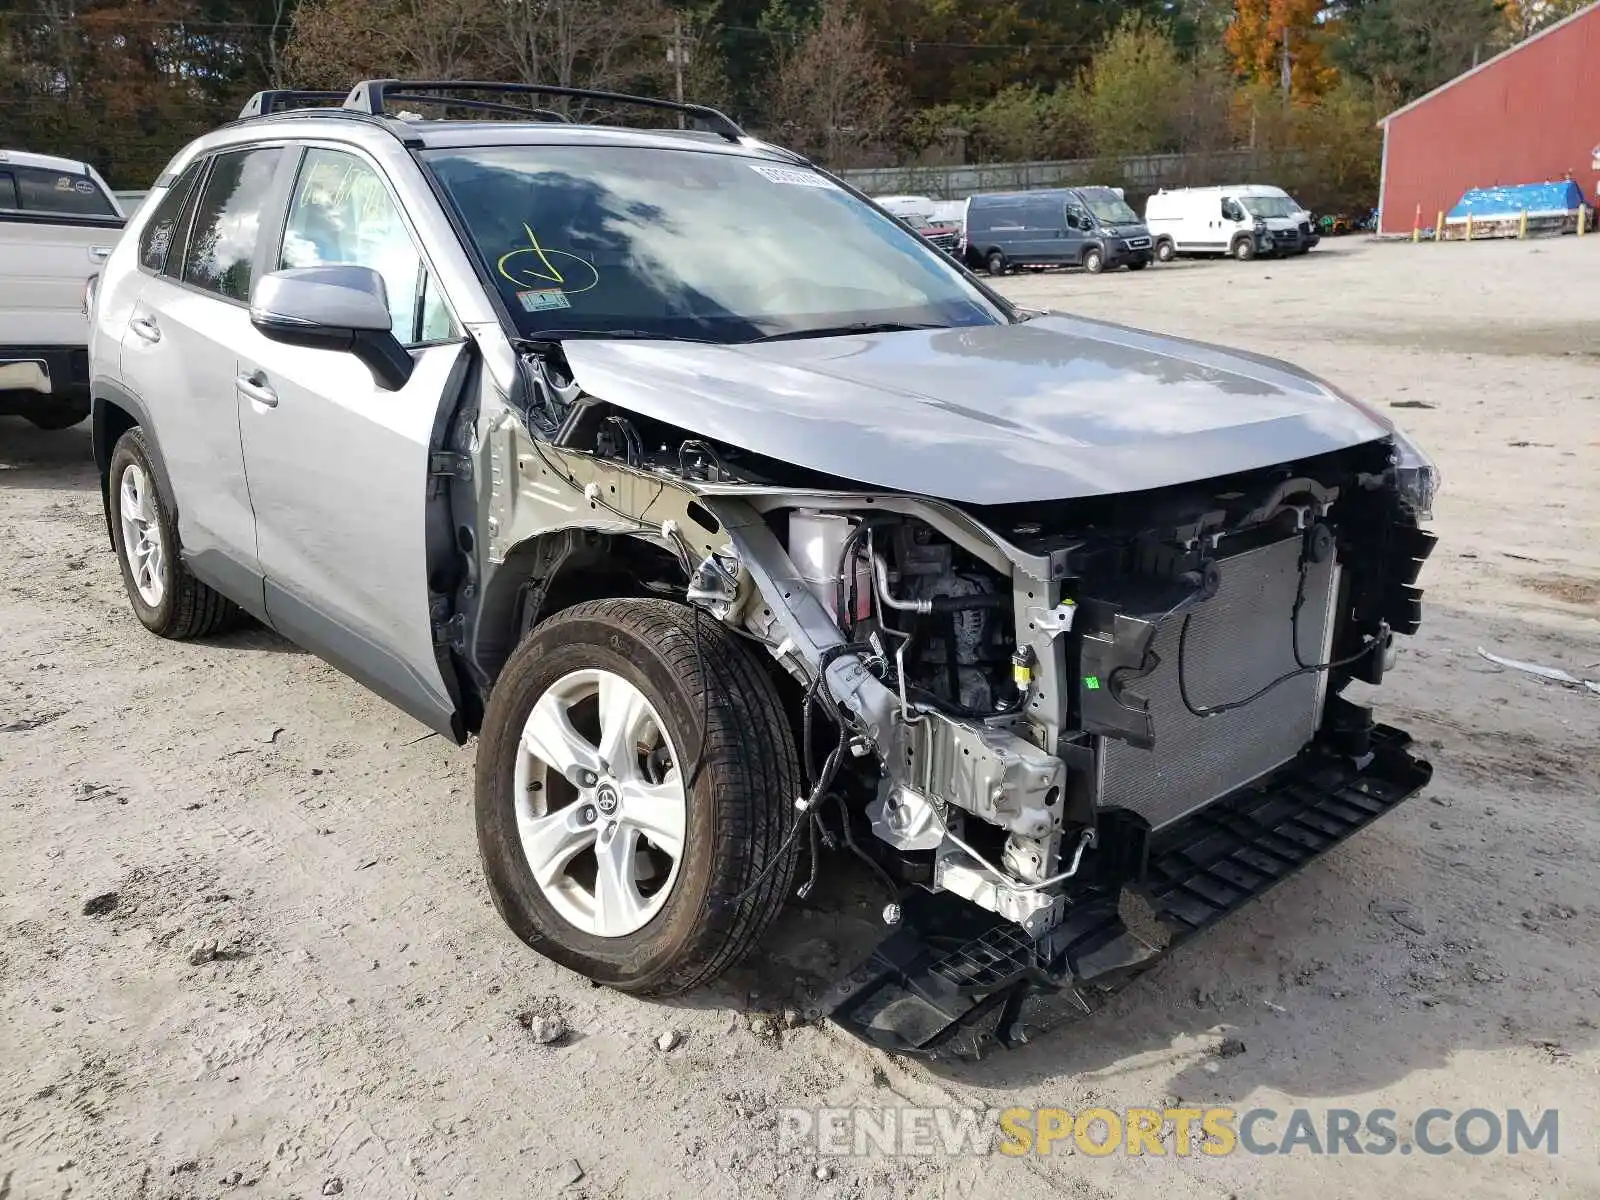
1469 227
1438 227
1522 228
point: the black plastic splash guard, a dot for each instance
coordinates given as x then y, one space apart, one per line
953 979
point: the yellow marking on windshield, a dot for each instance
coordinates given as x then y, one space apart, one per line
549 272
542 270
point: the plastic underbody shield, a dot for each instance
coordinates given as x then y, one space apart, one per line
953 978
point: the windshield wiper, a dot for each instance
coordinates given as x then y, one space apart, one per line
841 330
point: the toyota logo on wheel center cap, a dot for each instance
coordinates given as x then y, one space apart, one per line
606 798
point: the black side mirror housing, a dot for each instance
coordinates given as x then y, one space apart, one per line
339 307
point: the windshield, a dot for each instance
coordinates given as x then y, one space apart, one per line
1108 207
689 243
1268 206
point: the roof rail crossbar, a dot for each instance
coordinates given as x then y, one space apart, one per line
265 103
368 97
544 114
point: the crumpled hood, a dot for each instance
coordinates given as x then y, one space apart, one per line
1053 408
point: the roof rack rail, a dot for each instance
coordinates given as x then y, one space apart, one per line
369 95
543 114
264 103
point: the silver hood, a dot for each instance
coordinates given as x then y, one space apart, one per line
1054 408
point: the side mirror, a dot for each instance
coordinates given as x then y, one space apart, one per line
333 308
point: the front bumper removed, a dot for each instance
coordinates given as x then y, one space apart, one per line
953 979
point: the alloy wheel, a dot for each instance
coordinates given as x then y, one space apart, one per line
601 807
141 536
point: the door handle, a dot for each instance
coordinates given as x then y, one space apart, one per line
99 253
254 384
146 328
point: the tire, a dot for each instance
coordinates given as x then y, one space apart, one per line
1244 249
1094 260
736 815
1165 251
996 263
1139 264
176 605
52 419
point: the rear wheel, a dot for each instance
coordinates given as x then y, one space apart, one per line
166 598
1094 260
997 263
53 417
635 786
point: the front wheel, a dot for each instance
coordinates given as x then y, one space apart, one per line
1244 249
1094 261
636 780
1165 251
1138 264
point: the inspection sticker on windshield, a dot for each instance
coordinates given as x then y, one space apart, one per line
543 300
790 175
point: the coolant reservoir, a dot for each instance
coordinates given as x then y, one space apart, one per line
816 540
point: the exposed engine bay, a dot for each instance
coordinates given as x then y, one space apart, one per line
1020 704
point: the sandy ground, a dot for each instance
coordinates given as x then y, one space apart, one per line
359 1032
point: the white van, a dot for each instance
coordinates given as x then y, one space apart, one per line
907 206
1241 220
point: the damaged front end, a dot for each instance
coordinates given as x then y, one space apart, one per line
1070 733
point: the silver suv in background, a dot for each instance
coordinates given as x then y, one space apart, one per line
730 559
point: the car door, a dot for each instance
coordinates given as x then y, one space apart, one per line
179 357
1076 226
338 466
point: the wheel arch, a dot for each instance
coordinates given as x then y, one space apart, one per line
113 410
550 572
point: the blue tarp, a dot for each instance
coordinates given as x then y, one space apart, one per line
1501 202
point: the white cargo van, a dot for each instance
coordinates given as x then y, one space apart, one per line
1241 220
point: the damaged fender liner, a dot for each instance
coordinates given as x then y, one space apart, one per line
944 984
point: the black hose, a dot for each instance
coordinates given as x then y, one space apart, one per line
1303 668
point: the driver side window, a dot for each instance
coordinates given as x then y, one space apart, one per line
1231 210
341 213
1077 217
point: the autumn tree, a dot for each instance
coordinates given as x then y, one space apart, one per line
1143 97
830 95
1263 33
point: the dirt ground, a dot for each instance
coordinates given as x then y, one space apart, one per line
359 1033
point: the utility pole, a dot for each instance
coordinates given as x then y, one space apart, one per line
677 61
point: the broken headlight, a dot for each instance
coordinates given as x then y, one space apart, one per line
1416 477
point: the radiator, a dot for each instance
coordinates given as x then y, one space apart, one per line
1238 641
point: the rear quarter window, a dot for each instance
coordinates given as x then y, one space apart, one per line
57 193
160 232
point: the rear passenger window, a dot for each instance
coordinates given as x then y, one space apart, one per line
159 234
59 193
8 191
222 240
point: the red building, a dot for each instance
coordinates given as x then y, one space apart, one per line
1529 115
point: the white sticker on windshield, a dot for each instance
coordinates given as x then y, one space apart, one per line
543 300
792 176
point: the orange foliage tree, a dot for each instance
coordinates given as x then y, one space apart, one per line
1255 41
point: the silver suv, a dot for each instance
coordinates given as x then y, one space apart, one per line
742 527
